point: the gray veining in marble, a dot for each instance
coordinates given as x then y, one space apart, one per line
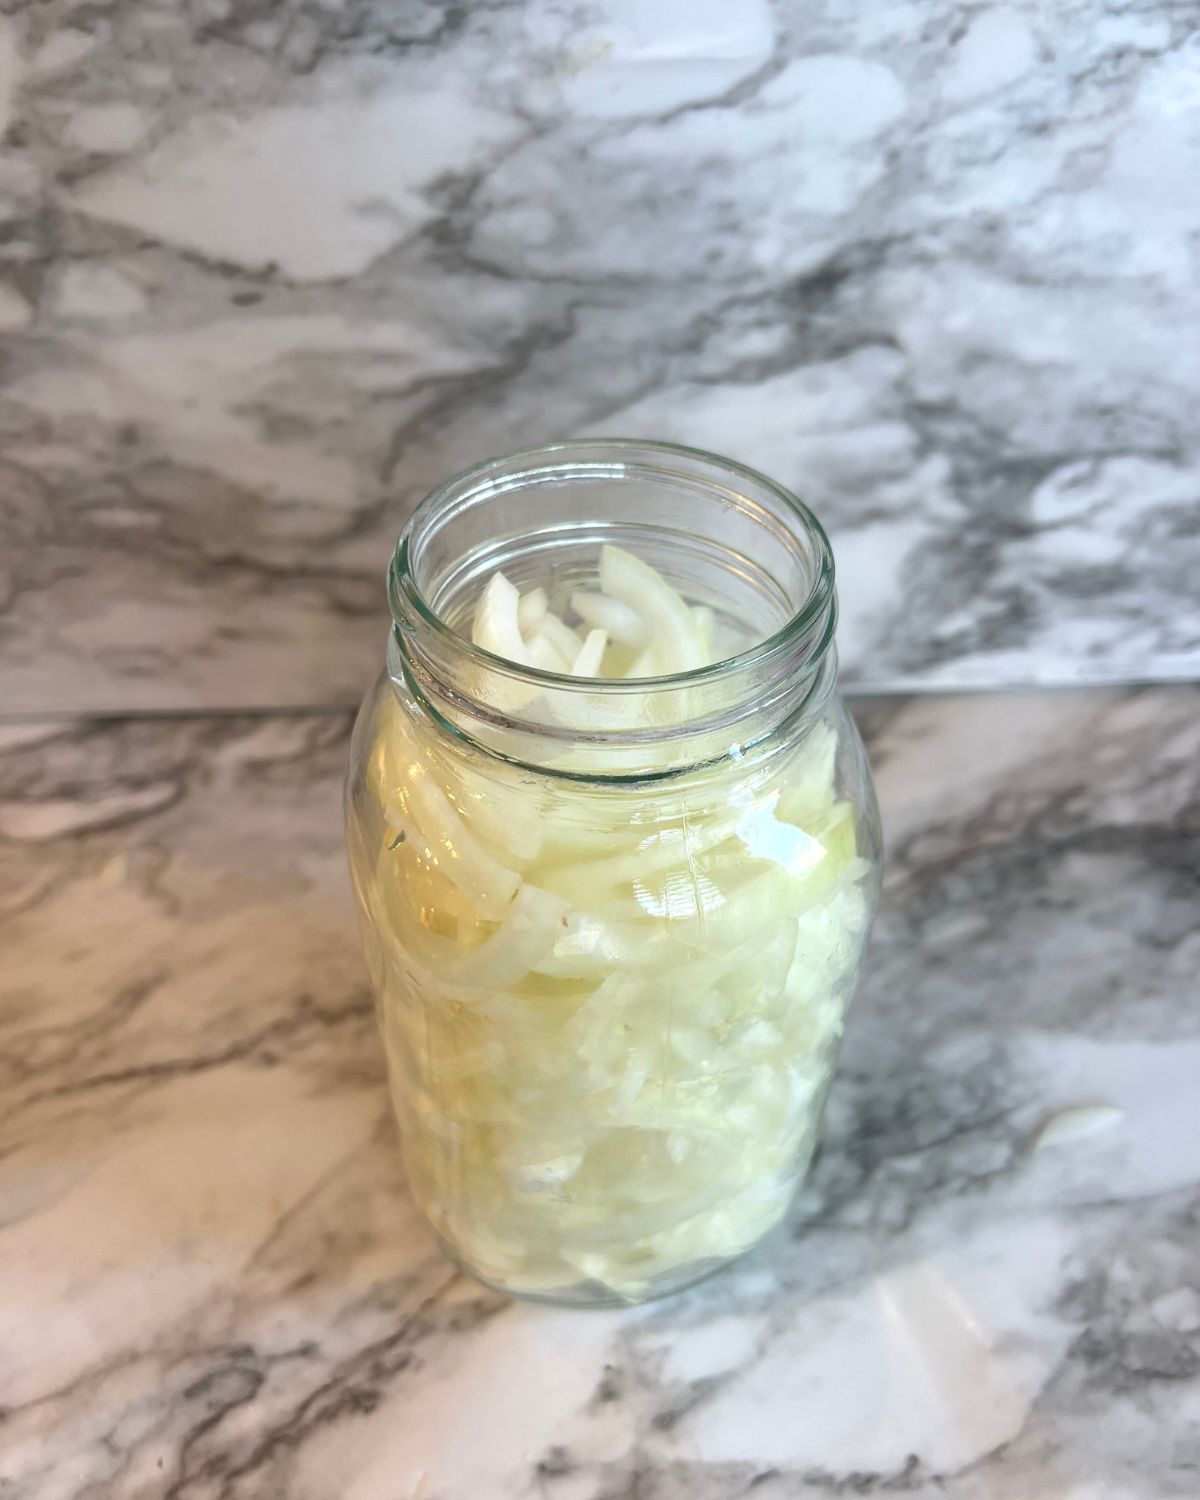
267 272
213 1285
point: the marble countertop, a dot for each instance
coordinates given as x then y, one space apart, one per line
213 1284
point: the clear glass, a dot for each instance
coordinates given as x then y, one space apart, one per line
612 927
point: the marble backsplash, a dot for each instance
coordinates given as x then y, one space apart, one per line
267 271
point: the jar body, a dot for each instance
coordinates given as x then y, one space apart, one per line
611 1007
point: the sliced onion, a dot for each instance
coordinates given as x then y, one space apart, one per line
623 624
543 654
590 655
531 609
422 814
704 622
677 643
563 639
496 627
610 1020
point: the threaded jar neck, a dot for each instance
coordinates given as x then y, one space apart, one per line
722 534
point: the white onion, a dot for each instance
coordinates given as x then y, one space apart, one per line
531 610
610 1017
622 623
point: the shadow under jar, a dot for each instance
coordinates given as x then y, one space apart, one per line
612 925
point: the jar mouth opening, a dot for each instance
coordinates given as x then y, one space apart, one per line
617 459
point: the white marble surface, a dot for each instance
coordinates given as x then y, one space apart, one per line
268 271
213 1285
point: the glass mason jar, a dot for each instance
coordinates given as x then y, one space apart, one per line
612 925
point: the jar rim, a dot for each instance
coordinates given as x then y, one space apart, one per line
552 459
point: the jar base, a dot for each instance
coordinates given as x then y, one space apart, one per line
591 1295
